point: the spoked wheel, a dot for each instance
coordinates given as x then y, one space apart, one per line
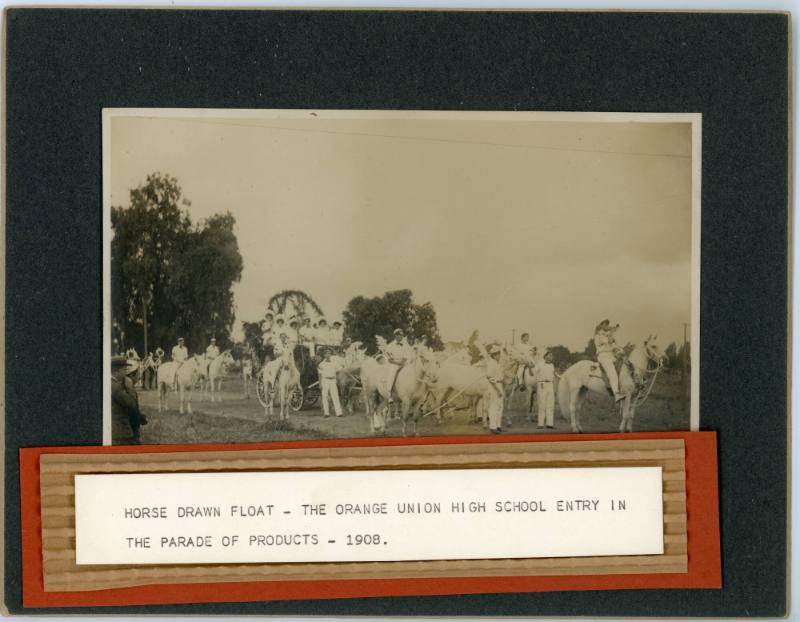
296 398
261 391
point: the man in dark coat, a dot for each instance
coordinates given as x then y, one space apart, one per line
124 401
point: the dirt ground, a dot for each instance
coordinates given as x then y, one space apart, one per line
238 420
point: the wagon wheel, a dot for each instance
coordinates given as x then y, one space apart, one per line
296 398
261 391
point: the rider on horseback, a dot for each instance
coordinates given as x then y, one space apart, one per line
607 351
179 356
399 353
526 351
284 351
212 352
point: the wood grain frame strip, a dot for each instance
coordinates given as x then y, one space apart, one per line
57 489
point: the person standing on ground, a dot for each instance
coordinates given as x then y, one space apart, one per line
545 375
327 380
124 400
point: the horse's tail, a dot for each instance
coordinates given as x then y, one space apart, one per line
563 394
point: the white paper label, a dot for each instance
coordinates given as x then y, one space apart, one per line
337 516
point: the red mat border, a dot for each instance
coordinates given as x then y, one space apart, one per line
702 527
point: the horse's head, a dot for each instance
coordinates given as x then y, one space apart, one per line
426 358
227 358
654 351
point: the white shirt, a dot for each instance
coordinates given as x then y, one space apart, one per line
323 336
545 372
525 350
212 352
180 354
281 348
328 369
493 371
306 334
335 336
603 342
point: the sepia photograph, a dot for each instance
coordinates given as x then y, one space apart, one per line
277 275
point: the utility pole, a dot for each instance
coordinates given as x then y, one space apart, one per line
513 335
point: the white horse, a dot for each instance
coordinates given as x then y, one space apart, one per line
286 377
585 376
187 376
410 388
217 370
455 378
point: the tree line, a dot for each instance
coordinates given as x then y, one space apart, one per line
170 277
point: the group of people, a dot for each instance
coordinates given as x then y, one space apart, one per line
321 340
180 354
543 376
302 331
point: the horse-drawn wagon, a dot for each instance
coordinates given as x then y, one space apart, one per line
304 394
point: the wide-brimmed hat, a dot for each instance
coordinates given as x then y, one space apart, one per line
180 339
337 322
280 318
495 349
322 320
294 320
213 340
399 331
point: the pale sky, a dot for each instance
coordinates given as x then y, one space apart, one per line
502 222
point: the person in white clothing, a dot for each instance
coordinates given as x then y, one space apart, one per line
212 352
494 392
327 382
322 333
398 352
336 334
545 396
294 330
307 336
277 328
526 351
606 354
284 350
179 356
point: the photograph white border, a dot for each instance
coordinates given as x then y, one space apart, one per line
694 119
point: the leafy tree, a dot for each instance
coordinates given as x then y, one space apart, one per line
366 317
206 268
171 278
590 352
253 332
562 357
